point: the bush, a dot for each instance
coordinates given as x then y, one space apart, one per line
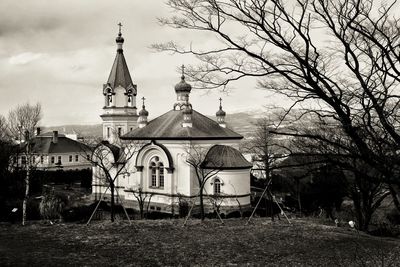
183 208
78 214
156 215
52 205
394 216
234 214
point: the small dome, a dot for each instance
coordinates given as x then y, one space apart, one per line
183 86
119 38
225 157
143 112
220 112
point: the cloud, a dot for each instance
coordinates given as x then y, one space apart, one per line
24 58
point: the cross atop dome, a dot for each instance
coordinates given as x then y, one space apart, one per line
120 26
119 40
183 72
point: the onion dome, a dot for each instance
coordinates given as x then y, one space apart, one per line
221 115
143 112
220 112
183 86
142 120
119 38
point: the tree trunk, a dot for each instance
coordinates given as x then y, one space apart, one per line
202 215
26 197
298 195
112 187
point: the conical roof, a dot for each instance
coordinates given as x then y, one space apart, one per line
120 75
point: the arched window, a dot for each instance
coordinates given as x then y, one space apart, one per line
153 171
156 170
217 186
161 174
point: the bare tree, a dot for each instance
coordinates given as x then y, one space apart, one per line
24 118
265 148
141 197
111 162
21 124
196 158
4 130
337 59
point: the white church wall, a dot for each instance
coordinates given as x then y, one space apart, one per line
235 183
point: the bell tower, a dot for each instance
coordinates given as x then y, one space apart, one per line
119 111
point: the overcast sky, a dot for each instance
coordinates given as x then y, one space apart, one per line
60 53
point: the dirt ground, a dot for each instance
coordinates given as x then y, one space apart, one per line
168 243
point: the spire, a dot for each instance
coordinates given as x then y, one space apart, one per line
221 115
120 75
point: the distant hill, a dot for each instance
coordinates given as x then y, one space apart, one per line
241 122
81 130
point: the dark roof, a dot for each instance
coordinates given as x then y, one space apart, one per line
119 72
169 127
43 144
225 157
183 86
114 149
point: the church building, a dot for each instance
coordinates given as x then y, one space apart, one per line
161 168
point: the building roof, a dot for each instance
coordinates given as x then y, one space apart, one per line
43 144
114 149
119 75
169 127
225 157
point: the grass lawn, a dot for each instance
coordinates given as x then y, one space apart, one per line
167 242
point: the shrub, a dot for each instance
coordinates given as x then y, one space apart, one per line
394 216
52 205
183 208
